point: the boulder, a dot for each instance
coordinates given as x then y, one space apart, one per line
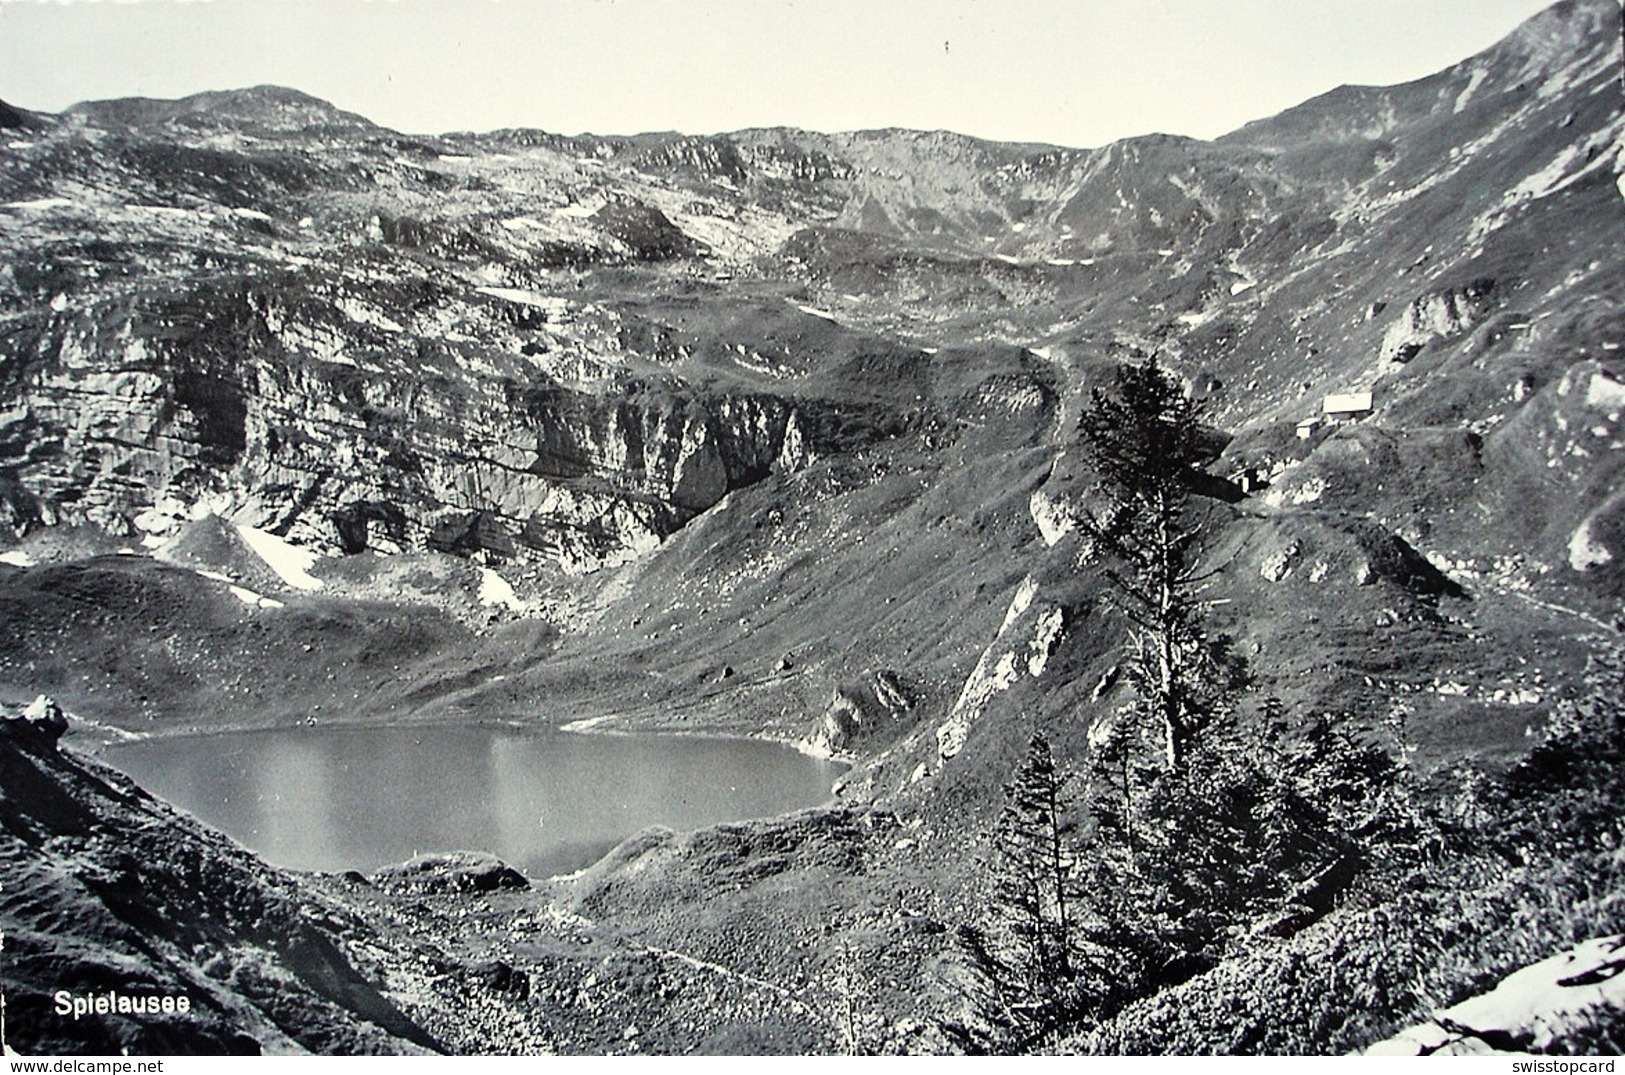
501 979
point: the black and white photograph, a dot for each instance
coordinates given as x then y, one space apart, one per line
812 527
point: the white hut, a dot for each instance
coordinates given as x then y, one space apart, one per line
1345 406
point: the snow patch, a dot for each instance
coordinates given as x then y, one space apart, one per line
1477 80
252 599
585 209
1550 178
816 312
291 563
1604 392
496 590
1585 551
162 210
41 203
552 304
1530 1011
1575 163
16 558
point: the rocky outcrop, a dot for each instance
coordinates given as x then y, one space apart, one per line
644 231
1054 517
861 714
1599 540
500 978
522 347
10 118
464 871
265 110
1437 315
1318 553
1021 649
42 721
717 157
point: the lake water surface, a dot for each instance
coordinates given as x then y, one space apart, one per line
544 801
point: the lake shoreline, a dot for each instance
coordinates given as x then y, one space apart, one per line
330 798
92 737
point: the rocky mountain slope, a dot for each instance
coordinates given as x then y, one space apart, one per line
161 908
112 894
775 432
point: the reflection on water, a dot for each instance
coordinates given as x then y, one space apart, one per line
546 802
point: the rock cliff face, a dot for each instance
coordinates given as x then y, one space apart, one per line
557 351
325 421
1436 316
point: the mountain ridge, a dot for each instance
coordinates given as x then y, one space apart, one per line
776 433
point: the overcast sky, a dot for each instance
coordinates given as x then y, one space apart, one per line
1069 72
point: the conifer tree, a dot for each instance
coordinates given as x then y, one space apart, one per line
1034 882
1144 437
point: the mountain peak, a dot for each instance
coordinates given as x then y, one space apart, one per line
16 118
263 108
1562 35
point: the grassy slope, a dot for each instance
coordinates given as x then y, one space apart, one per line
1516 867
